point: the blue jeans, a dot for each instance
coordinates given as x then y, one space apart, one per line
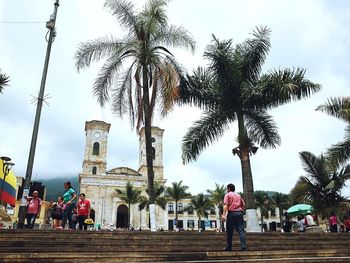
235 220
31 220
67 214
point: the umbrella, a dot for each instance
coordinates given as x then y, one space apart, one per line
299 209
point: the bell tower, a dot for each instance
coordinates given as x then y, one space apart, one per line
157 152
96 147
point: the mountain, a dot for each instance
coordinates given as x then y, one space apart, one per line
54 187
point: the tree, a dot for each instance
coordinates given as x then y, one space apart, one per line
176 192
265 205
152 73
232 89
160 199
321 185
130 196
3 81
217 198
281 201
201 204
339 153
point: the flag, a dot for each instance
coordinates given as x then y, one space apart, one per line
7 186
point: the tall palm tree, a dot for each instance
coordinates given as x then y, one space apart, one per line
281 201
321 184
152 73
232 89
130 196
3 81
176 192
217 198
201 204
265 205
339 153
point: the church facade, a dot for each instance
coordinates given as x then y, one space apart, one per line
100 184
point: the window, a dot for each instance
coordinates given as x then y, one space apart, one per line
153 153
94 170
153 140
213 223
180 208
180 224
189 210
170 209
190 224
96 149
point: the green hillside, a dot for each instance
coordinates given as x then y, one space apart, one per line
54 187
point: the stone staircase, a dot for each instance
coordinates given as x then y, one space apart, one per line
92 246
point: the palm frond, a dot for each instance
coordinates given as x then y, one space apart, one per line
337 107
94 50
338 154
4 80
261 128
124 11
253 53
204 132
282 86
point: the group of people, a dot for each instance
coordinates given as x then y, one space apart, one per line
65 210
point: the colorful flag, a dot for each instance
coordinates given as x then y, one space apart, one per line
7 186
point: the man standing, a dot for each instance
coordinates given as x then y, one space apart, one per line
233 215
33 210
83 211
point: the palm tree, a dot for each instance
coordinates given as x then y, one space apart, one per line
217 198
152 73
176 192
130 196
201 204
281 201
160 199
339 153
232 89
3 81
322 185
265 205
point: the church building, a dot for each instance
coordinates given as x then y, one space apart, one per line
100 185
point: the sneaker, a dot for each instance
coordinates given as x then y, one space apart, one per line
227 249
244 248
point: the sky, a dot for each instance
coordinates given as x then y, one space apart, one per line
310 34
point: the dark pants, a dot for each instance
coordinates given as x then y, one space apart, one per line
81 222
235 220
334 228
31 220
67 215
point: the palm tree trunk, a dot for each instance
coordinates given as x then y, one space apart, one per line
247 178
176 216
148 139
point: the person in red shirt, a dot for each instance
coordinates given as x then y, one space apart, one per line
233 215
83 211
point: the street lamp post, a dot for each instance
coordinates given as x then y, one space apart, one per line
50 25
7 165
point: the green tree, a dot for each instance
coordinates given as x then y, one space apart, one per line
339 153
265 205
151 76
176 192
3 81
321 184
232 89
281 201
217 198
201 204
130 196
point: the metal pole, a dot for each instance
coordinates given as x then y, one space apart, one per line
23 206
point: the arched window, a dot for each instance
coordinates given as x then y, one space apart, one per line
94 170
96 148
153 153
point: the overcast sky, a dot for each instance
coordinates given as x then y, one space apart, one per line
310 34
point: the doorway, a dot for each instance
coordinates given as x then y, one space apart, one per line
122 216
